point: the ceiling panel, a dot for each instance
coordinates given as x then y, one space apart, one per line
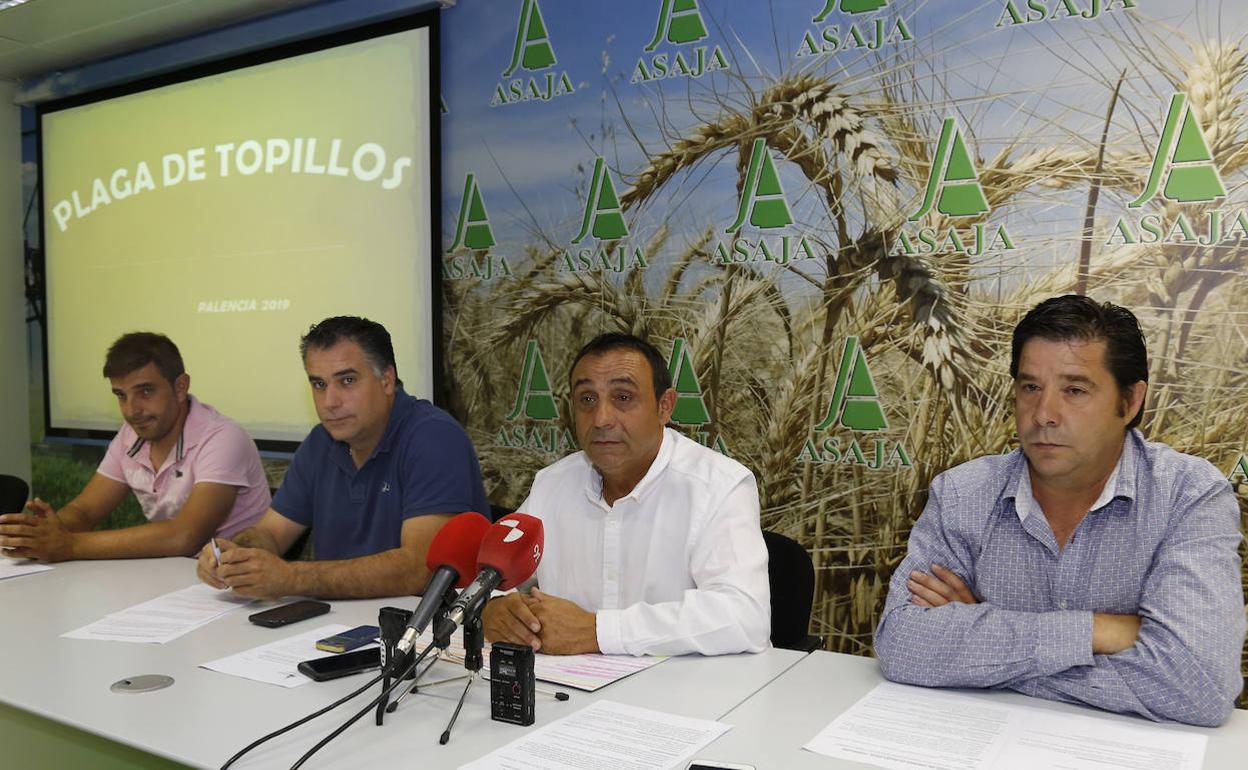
42 20
49 35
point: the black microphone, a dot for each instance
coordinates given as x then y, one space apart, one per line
450 558
14 493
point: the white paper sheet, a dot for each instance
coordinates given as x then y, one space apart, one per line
901 727
10 567
164 618
587 672
606 736
277 662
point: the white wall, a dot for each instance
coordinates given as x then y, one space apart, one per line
14 374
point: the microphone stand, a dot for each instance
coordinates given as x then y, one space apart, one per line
474 641
393 666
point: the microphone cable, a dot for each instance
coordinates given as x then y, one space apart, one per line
400 680
301 721
325 710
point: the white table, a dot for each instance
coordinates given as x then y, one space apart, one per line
770 728
206 716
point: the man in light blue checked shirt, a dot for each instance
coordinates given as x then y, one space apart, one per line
1090 566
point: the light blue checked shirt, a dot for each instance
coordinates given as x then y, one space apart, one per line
1164 547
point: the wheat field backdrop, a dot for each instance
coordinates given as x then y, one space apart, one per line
854 143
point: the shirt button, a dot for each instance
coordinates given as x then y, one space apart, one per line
1062 604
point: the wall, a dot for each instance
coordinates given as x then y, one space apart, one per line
14 385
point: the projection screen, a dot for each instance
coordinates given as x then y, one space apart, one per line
234 205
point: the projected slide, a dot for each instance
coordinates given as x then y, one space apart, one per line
233 211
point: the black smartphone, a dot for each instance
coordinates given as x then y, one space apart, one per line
289 613
346 664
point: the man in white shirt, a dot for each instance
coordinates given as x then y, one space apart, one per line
653 545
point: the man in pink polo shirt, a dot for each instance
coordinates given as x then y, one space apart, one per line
195 472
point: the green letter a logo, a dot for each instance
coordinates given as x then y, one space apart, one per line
762 199
602 208
1183 149
534 397
855 402
473 228
1240 471
682 22
849 6
690 408
952 184
532 49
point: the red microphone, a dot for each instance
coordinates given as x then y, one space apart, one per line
456 545
509 555
451 558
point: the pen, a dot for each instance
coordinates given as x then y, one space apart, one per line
216 551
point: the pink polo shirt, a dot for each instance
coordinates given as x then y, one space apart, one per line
212 448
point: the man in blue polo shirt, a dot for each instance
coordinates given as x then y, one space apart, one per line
375 481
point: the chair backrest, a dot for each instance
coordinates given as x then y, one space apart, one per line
792 577
13 494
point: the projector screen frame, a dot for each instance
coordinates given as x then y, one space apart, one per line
313 42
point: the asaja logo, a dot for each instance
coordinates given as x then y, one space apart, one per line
680 25
473 227
690 410
855 406
763 206
473 232
953 184
1183 172
681 21
602 207
532 49
855 401
1017 12
762 198
1183 160
534 398
532 52
1239 471
533 419
603 220
855 33
953 190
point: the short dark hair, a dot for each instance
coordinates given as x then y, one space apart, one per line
135 350
1075 317
371 336
604 343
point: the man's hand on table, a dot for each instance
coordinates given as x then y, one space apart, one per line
39 534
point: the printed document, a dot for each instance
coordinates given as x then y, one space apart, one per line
10 567
277 662
902 727
164 618
606 736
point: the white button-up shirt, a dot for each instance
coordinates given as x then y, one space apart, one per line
678 565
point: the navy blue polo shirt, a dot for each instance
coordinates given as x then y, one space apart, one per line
423 464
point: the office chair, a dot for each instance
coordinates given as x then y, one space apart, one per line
792 577
13 494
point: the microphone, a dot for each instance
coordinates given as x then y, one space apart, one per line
451 557
509 555
13 495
